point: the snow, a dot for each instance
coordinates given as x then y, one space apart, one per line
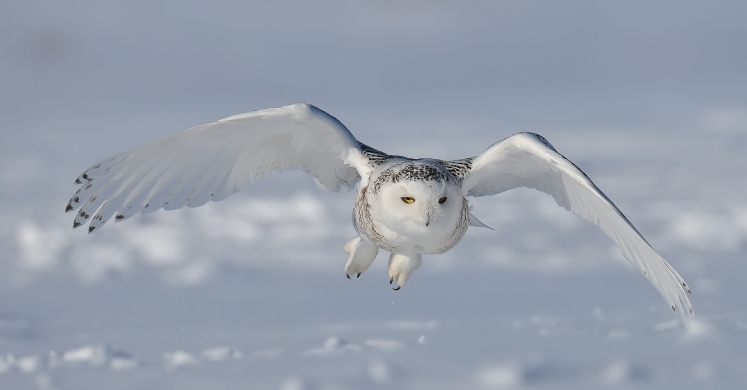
250 292
177 359
221 353
501 376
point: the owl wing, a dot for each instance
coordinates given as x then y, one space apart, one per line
213 161
528 160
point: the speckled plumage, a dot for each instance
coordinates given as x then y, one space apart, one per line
458 168
399 169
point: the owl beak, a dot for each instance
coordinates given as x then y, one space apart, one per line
428 218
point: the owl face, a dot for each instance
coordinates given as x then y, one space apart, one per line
419 207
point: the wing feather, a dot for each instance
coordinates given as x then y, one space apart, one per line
528 160
213 161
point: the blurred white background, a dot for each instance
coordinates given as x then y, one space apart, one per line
648 98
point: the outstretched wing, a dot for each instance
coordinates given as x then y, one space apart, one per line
213 161
528 160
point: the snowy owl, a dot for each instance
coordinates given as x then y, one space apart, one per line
409 207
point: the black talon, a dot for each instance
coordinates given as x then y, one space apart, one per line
398 287
348 276
391 280
359 275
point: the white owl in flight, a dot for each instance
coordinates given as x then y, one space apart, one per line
406 206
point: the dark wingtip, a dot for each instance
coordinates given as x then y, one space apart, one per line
77 181
76 224
91 229
69 208
673 309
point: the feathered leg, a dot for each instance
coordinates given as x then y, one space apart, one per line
361 253
401 266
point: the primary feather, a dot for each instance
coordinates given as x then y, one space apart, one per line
529 160
213 161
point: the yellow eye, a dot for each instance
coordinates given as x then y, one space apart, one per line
442 200
408 199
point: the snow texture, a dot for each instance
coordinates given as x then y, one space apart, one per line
250 292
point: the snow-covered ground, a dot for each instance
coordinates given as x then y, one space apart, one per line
250 292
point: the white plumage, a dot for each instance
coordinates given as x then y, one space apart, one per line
406 206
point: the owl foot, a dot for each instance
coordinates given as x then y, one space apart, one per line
361 253
401 266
